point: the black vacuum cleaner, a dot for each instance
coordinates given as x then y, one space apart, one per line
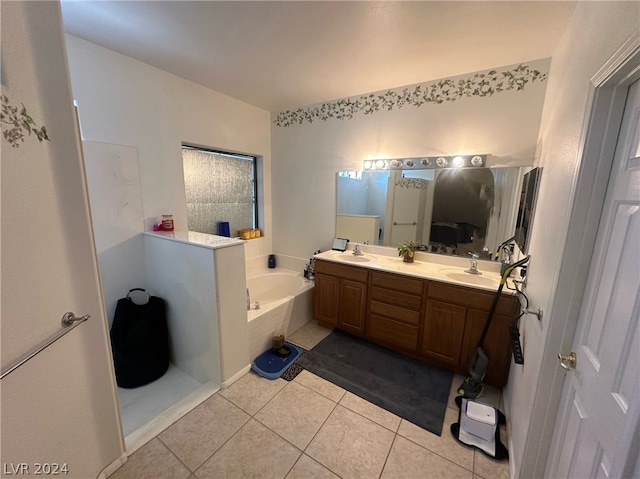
472 386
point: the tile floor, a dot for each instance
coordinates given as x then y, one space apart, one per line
306 428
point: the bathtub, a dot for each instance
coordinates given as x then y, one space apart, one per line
286 304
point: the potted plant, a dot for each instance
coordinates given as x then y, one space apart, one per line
407 250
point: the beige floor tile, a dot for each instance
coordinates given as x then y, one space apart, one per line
251 392
254 452
488 468
296 413
152 461
307 468
371 411
410 461
320 385
200 433
444 445
350 445
309 335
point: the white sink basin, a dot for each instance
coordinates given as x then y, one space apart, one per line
478 279
348 256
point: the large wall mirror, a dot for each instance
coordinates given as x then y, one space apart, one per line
453 211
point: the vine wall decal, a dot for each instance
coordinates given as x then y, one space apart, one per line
19 122
477 85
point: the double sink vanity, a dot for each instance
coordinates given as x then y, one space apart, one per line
432 311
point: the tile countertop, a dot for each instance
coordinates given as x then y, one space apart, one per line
203 240
427 266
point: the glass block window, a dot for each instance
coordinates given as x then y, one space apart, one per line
220 188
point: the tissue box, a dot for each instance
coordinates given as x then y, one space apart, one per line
478 419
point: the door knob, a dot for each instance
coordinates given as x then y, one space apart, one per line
568 361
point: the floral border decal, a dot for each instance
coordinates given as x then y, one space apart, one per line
416 183
20 123
479 84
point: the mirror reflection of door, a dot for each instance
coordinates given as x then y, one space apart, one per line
405 209
462 204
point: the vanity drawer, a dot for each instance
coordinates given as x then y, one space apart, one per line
396 298
471 298
393 333
395 312
343 271
397 282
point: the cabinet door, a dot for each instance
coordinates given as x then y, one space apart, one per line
352 306
497 345
443 332
326 294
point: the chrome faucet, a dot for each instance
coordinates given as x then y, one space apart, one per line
474 265
356 250
255 306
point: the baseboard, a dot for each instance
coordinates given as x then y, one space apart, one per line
113 467
236 376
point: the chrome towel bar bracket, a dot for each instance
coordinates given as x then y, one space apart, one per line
68 321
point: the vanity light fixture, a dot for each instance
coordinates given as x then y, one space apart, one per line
455 161
477 161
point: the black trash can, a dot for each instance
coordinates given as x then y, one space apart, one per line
139 340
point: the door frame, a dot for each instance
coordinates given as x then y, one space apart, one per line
605 108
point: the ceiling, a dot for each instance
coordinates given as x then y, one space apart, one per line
280 55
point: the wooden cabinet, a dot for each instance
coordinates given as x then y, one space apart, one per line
439 323
340 296
497 345
474 306
395 310
443 333
352 303
327 299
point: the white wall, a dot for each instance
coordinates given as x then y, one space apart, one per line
595 32
60 406
122 101
127 102
113 181
306 157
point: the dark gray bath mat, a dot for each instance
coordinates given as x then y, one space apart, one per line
411 389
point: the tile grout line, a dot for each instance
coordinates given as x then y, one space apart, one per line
173 454
396 432
225 442
386 459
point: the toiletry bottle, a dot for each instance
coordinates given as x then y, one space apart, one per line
272 261
167 222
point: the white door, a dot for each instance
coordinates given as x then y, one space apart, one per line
599 409
58 410
407 199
